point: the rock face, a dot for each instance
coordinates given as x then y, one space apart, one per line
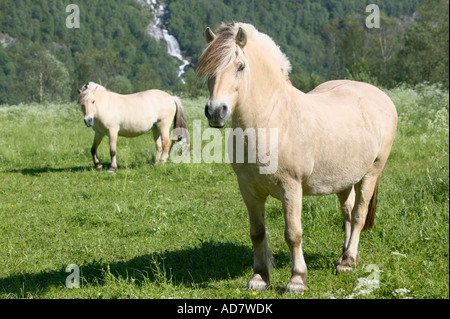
6 39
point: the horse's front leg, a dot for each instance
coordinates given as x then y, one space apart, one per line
292 207
97 140
261 251
112 149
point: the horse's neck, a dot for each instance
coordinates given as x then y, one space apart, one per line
101 101
268 105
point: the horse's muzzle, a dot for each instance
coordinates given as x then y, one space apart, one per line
89 121
217 114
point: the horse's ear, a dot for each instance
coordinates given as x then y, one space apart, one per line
209 35
79 91
241 38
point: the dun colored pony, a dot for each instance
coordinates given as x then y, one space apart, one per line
113 114
335 139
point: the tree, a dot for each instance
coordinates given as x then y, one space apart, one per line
41 77
120 84
193 86
425 56
146 79
98 66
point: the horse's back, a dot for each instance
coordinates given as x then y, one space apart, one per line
328 86
336 89
358 99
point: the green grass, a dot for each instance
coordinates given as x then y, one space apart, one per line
182 231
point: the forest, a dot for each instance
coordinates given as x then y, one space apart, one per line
41 59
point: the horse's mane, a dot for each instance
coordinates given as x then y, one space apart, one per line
87 90
221 51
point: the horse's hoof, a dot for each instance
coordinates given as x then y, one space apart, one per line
112 170
98 167
296 287
343 268
257 283
346 263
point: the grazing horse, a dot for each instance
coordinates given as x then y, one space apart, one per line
335 139
113 114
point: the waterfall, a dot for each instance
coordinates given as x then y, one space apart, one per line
156 30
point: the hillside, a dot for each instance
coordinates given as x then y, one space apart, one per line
41 59
111 46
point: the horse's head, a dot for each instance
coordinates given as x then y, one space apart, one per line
87 101
225 67
237 60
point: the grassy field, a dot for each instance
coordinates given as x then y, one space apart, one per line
182 231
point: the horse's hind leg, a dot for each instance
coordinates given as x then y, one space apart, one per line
347 201
158 142
261 253
364 191
164 128
97 140
112 149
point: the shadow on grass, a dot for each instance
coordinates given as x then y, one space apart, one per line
106 165
201 265
46 169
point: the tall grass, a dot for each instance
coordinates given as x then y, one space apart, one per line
181 230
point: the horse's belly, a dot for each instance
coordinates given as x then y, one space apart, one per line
332 178
325 185
131 134
134 131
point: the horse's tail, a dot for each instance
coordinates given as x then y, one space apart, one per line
370 218
180 131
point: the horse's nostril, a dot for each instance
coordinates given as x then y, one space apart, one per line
223 111
89 121
208 111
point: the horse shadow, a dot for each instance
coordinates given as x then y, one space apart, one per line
202 265
75 169
210 261
47 169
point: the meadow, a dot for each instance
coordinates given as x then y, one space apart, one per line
182 231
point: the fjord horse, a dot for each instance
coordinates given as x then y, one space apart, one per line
335 139
132 115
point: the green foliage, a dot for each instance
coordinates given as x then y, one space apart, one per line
146 78
110 46
329 40
36 75
193 86
425 54
323 39
120 84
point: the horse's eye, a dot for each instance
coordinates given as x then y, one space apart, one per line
93 102
241 67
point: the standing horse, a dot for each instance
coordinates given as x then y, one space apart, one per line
113 114
335 139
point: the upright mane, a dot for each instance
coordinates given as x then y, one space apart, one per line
221 51
87 90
